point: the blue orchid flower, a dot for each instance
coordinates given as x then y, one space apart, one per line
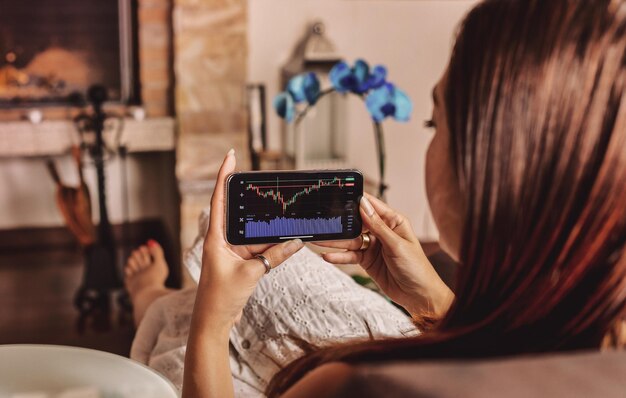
305 87
358 79
383 99
285 106
388 100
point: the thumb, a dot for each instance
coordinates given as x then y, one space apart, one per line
376 225
277 254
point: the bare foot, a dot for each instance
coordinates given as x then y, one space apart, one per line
144 277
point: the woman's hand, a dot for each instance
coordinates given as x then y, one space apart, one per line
229 276
230 273
395 260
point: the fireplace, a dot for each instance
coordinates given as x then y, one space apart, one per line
52 51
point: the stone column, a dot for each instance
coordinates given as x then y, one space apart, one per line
210 61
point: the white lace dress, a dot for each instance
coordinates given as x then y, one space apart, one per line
305 297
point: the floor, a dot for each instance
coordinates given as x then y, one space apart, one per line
40 271
37 290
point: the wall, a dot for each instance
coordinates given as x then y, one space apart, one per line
412 38
218 46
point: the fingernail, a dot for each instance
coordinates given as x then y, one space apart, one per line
367 206
292 246
152 243
231 152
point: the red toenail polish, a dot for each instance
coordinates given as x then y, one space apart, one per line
152 242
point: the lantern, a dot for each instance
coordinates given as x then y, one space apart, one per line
318 141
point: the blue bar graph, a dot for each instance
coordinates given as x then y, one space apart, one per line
282 226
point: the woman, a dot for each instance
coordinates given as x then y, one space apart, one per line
527 183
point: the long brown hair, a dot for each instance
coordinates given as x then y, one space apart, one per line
536 106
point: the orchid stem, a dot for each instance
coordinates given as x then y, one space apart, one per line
302 114
380 146
382 158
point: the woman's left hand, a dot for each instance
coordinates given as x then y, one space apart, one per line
230 273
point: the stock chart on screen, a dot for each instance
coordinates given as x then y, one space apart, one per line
289 204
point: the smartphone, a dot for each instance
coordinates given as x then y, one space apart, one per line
271 207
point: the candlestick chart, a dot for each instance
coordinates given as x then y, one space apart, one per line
268 191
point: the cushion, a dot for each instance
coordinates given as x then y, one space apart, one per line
589 374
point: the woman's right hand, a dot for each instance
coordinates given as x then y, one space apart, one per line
394 260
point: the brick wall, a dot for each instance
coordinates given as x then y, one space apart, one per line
156 56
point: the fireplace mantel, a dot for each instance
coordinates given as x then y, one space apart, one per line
55 137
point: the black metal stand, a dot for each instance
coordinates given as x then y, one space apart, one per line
101 277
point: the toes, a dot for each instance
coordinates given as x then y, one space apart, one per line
140 258
155 250
131 266
144 254
143 257
136 256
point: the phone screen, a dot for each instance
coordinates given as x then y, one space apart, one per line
271 207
